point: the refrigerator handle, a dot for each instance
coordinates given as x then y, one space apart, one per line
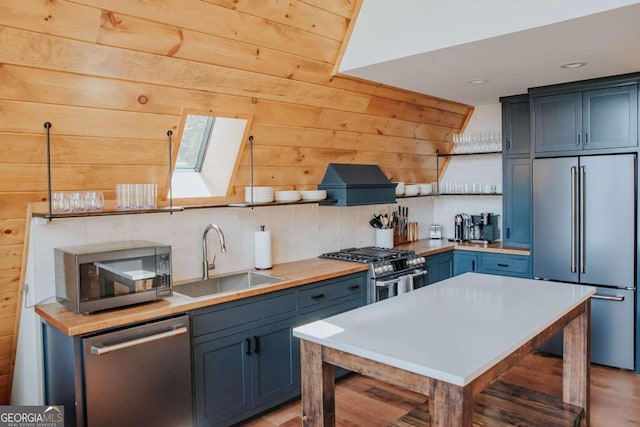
573 219
581 219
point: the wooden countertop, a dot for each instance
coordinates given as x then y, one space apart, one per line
426 247
297 273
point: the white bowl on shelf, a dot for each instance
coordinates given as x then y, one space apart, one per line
399 188
285 196
313 195
426 189
411 190
260 194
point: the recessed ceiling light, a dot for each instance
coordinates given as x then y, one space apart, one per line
574 65
477 81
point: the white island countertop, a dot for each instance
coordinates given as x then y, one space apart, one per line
453 330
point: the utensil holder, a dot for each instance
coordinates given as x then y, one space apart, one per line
384 237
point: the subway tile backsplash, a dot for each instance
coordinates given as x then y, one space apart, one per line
298 232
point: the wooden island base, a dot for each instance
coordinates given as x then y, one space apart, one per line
503 404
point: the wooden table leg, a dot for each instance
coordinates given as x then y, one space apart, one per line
450 405
576 371
318 387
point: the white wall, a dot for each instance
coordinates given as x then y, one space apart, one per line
387 30
485 169
298 232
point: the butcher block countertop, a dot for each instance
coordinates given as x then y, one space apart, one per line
297 273
428 247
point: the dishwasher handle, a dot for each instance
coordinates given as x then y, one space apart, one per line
99 349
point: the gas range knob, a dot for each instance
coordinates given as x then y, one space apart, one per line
422 260
378 269
388 268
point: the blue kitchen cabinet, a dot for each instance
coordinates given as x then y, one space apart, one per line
492 263
516 125
516 171
330 297
439 267
604 119
244 357
506 265
464 262
516 202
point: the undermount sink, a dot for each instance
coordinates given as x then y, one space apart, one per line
226 283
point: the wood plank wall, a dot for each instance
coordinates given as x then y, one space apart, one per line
112 76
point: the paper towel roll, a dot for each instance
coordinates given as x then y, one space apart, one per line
262 249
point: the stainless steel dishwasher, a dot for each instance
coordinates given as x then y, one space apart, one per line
139 376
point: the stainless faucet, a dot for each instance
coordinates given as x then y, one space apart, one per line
206 267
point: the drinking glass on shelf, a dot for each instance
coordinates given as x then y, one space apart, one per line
60 203
94 200
78 202
150 196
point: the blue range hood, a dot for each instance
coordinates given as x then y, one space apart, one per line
355 185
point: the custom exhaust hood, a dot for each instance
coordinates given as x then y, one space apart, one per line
354 185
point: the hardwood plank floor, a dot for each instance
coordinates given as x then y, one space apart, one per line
362 401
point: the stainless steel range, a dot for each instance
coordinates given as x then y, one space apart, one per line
391 271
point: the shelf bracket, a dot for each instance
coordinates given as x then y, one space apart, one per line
169 134
47 126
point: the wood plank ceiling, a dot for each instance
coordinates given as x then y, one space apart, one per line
112 76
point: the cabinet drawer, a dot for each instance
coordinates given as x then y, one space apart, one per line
327 292
238 313
506 265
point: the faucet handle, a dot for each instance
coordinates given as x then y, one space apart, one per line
212 266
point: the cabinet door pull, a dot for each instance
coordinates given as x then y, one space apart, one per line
473 265
248 343
508 144
508 232
586 138
578 139
503 265
354 288
317 297
256 345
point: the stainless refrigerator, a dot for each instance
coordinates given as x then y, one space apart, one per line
584 216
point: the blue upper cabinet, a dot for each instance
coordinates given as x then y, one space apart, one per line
610 118
600 119
516 126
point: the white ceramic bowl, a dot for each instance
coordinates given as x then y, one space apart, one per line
312 195
399 188
426 189
287 196
411 190
260 194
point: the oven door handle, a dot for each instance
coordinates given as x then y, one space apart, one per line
385 283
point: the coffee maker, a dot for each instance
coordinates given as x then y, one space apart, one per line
484 228
462 227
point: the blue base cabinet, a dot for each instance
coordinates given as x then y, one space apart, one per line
245 358
492 263
439 267
464 262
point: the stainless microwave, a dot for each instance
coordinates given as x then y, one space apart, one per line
103 276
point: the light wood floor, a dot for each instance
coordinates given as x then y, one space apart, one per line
361 401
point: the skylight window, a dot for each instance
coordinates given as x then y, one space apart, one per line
208 154
195 140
